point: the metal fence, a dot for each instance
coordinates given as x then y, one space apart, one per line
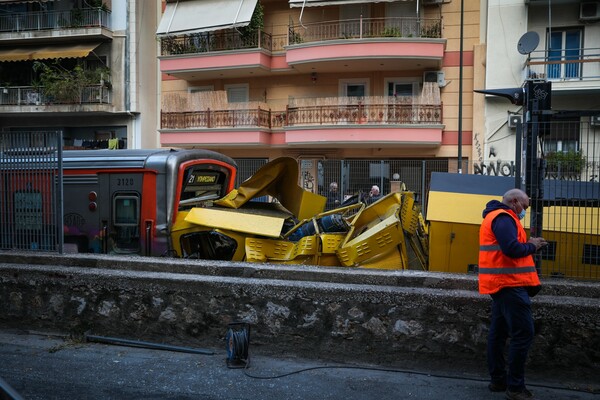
31 191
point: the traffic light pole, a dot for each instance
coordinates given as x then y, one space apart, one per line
535 97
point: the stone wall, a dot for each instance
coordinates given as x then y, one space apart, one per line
380 317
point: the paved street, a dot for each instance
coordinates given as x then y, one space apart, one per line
39 366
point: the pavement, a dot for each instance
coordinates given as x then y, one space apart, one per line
36 365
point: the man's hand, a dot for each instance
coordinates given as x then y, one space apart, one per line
538 242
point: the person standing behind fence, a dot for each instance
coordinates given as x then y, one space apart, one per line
333 197
507 273
374 195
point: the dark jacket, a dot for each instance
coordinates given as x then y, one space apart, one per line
505 230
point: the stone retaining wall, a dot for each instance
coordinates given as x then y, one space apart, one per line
380 317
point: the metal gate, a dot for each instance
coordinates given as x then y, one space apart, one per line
31 191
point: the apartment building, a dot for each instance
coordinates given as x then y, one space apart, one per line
87 68
540 40
321 80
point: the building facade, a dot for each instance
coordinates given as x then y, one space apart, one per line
320 80
86 68
553 41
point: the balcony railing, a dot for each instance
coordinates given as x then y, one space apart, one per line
372 114
205 42
36 21
319 113
564 64
364 28
29 95
241 118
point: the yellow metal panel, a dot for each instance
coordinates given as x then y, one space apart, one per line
380 239
457 207
279 179
439 245
235 221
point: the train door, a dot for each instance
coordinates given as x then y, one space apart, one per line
122 224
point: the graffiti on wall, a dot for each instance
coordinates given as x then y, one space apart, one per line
495 168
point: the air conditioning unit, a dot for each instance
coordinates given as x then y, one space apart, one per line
595 120
589 11
435 76
514 120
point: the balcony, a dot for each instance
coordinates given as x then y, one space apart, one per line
91 23
26 99
366 28
307 122
393 44
567 69
206 42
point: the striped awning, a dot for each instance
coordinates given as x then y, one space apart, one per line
193 16
46 52
321 3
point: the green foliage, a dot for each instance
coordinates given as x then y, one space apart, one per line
64 85
256 25
391 32
570 162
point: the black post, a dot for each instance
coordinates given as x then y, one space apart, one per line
537 113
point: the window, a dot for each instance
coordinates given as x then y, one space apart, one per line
591 254
401 19
548 252
354 88
237 93
350 15
564 45
563 137
126 222
126 211
396 87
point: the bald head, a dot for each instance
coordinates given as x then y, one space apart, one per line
516 199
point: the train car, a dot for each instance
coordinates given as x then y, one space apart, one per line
123 201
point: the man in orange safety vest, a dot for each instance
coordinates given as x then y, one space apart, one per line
507 273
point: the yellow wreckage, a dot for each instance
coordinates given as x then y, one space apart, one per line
294 229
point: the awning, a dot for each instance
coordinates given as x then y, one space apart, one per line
47 52
191 16
2 2
320 3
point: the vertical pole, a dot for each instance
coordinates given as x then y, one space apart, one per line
460 89
518 156
59 193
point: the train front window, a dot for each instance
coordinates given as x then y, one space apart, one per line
202 183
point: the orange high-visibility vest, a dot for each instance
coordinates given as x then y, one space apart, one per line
497 270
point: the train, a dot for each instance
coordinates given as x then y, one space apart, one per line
113 201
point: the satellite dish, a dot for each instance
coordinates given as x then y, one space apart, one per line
528 42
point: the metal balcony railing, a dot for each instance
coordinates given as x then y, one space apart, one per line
205 42
241 118
307 115
36 21
366 28
565 64
372 114
29 95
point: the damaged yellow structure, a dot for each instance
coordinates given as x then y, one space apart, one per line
388 234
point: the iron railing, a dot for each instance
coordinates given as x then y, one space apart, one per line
204 42
30 95
216 119
31 191
565 64
374 114
366 28
49 20
337 114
